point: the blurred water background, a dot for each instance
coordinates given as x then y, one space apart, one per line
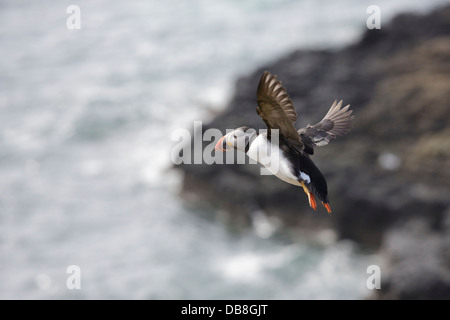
86 118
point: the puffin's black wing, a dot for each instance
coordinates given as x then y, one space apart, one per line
276 109
337 122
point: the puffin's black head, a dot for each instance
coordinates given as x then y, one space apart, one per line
239 139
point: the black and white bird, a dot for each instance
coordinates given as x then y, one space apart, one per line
288 157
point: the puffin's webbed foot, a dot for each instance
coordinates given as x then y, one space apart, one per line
327 206
311 199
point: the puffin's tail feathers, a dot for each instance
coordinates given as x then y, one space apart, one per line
317 183
313 183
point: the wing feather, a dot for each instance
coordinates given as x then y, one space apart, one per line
337 122
276 108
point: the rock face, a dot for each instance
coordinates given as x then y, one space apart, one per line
391 172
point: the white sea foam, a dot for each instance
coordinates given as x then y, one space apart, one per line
85 123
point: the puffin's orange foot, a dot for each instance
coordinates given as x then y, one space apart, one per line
327 206
312 201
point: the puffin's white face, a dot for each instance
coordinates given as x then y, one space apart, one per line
236 139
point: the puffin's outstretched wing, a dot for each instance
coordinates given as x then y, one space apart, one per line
276 109
337 122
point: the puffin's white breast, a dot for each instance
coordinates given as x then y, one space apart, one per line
273 158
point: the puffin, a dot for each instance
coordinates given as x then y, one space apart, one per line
291 148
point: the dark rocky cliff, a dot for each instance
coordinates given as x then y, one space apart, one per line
389 179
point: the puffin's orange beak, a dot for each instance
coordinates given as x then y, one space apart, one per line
220 145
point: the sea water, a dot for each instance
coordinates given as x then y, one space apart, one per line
86 117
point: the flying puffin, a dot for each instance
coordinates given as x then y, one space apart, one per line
294 146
